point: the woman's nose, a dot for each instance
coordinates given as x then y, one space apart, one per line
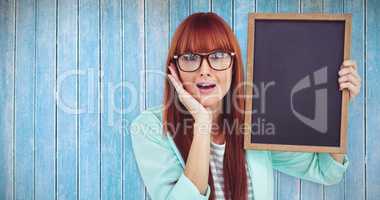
205 68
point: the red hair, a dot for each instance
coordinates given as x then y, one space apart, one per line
203 32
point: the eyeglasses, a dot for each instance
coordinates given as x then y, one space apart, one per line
217 60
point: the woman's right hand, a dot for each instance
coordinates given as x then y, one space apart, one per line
196 109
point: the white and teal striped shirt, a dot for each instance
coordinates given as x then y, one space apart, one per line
216 164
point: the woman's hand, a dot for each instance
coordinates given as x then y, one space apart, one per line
197 110
349 78
198 159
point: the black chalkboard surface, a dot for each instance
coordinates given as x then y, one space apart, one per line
293 102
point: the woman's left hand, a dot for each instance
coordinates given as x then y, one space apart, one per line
349 78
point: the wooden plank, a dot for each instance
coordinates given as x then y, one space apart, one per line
373 96
334 191
133 90
89 100
200 6
266 6
45 173
7 65
289 6
67 100
179 10
355 176
156 49
157 33
24 99
308 16
111 102
223 9
241 10
288 187
310 190
269 6
311 6
333 6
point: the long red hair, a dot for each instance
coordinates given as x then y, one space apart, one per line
203 32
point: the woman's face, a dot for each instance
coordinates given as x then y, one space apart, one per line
206 84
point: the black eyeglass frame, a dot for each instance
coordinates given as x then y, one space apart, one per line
176 57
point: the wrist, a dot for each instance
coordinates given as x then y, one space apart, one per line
202 126
203 119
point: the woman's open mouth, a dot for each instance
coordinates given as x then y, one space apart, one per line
206 88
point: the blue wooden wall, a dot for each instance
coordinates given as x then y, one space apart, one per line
74 73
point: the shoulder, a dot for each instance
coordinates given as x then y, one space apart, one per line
148 125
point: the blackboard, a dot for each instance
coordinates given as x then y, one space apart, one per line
293 102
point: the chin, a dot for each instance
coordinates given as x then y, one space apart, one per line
209 102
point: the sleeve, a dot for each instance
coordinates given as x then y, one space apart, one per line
316 167
160 170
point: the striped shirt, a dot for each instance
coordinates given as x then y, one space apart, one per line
216 164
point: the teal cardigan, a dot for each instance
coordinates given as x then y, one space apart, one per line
161 165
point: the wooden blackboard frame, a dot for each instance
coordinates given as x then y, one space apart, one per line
347 18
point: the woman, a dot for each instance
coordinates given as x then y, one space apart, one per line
195 124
